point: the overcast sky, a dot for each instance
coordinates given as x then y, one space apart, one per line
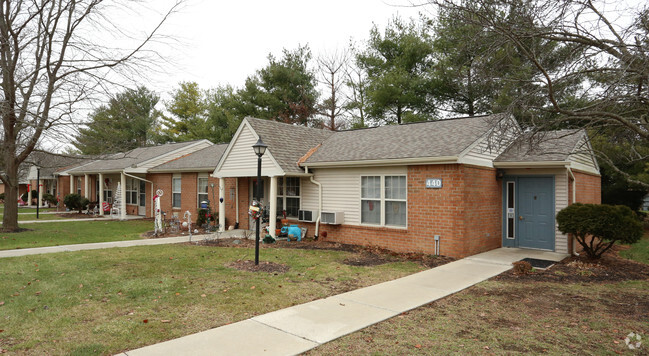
223 42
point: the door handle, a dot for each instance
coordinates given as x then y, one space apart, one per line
520 217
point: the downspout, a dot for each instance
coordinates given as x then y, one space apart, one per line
148 181
236 189
317 221
574 200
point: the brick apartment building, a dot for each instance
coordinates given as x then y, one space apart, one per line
456 187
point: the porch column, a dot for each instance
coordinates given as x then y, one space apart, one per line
221 204
29 194
86 186
272 216
40 193
101 194
71 184
122 197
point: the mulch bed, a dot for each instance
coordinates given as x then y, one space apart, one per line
363 255
578 269
263 266
78 216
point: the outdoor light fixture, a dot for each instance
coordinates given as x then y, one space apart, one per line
260 149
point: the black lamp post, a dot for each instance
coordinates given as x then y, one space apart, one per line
260 149
38 190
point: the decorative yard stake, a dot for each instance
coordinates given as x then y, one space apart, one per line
188 216
157 225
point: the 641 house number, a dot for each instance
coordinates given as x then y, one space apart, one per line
435 183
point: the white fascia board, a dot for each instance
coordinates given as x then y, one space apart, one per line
249 173
386 162
476 162
181 170
538 164
578 167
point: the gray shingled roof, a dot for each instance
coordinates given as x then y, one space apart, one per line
120 161
416 140
543 146
288 143
203 160
50 163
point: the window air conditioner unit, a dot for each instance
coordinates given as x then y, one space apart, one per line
333 218
306 215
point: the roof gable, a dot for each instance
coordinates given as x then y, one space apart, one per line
239 159
567 147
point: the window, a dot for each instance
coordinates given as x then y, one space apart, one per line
108 196
142 193
371 200
384 200
79 185
131 191
175 188
288 195
203 187
395 200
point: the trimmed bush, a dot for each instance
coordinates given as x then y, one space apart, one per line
50 199
598 227
75 202
202 217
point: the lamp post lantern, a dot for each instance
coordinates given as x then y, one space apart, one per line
260 149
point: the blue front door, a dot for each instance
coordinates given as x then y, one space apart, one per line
535 213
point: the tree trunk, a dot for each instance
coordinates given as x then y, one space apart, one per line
10 217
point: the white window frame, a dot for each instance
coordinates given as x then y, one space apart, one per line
382 200
174 192
79 185
281 194
132 190
200 194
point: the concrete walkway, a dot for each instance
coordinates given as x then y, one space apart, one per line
303 327
127 243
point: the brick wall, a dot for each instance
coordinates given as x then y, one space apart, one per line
465 212
589 188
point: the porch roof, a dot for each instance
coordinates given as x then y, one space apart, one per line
544 146
204 160
135 158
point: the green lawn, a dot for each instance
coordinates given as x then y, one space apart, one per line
509 318
74 232
639 251
108 301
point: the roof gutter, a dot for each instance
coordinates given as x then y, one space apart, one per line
385 162
533 164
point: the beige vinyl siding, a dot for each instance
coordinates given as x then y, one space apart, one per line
341 189
490 146
582 158
560 198
241 160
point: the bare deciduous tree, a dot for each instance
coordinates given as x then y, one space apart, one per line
54 55
331 74
605 47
